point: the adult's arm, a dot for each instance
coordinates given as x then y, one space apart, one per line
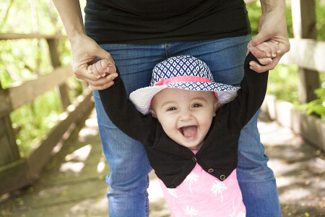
272 26
84 49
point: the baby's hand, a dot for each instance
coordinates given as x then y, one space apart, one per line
271 49
104 68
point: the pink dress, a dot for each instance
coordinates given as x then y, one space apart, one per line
201 194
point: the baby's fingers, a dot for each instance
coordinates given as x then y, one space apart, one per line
92 69
267 49
110 66
265 61
97 69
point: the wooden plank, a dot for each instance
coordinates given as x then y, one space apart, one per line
248 2
309 126
306 53
9 150
29 90
15 36
54 53
64 96
304 18
307 83
23 172
5 105
14 176
64 90
42 154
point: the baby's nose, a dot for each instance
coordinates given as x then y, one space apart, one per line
186 115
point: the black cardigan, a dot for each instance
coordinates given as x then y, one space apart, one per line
173 162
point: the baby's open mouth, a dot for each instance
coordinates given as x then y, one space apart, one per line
188 131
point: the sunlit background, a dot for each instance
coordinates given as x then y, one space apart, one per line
73 184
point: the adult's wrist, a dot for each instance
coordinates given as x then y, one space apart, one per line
273 5
76 36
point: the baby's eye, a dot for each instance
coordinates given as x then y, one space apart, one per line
171 109
196 105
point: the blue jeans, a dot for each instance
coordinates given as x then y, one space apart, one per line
127 159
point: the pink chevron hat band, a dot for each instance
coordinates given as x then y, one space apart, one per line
182 72
163 81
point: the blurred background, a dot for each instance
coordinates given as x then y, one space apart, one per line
42 102
19 61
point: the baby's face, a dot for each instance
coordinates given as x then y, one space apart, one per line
185 115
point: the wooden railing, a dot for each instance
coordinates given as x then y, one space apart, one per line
17 172
309 55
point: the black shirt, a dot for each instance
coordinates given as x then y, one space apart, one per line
158 21
173 162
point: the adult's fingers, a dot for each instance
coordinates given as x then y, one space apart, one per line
103 54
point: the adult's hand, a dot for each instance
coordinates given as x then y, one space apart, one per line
272 26
85 52
84 49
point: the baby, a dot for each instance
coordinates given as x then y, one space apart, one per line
189 125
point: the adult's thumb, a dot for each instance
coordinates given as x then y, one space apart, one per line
258 39
103 54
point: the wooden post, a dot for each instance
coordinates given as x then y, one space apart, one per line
13 171
64 93
304 20
9 151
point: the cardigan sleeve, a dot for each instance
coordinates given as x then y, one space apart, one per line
125 116
250 96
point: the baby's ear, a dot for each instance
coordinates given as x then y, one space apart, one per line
153 113
217 105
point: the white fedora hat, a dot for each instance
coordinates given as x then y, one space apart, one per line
182 72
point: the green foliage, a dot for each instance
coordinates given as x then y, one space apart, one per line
283 83
316 106
283 80
254 13
25 59
320 24
35 119
22 60
34 16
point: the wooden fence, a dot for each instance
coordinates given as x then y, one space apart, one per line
17 172
309 55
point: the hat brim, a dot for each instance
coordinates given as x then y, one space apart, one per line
142 97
